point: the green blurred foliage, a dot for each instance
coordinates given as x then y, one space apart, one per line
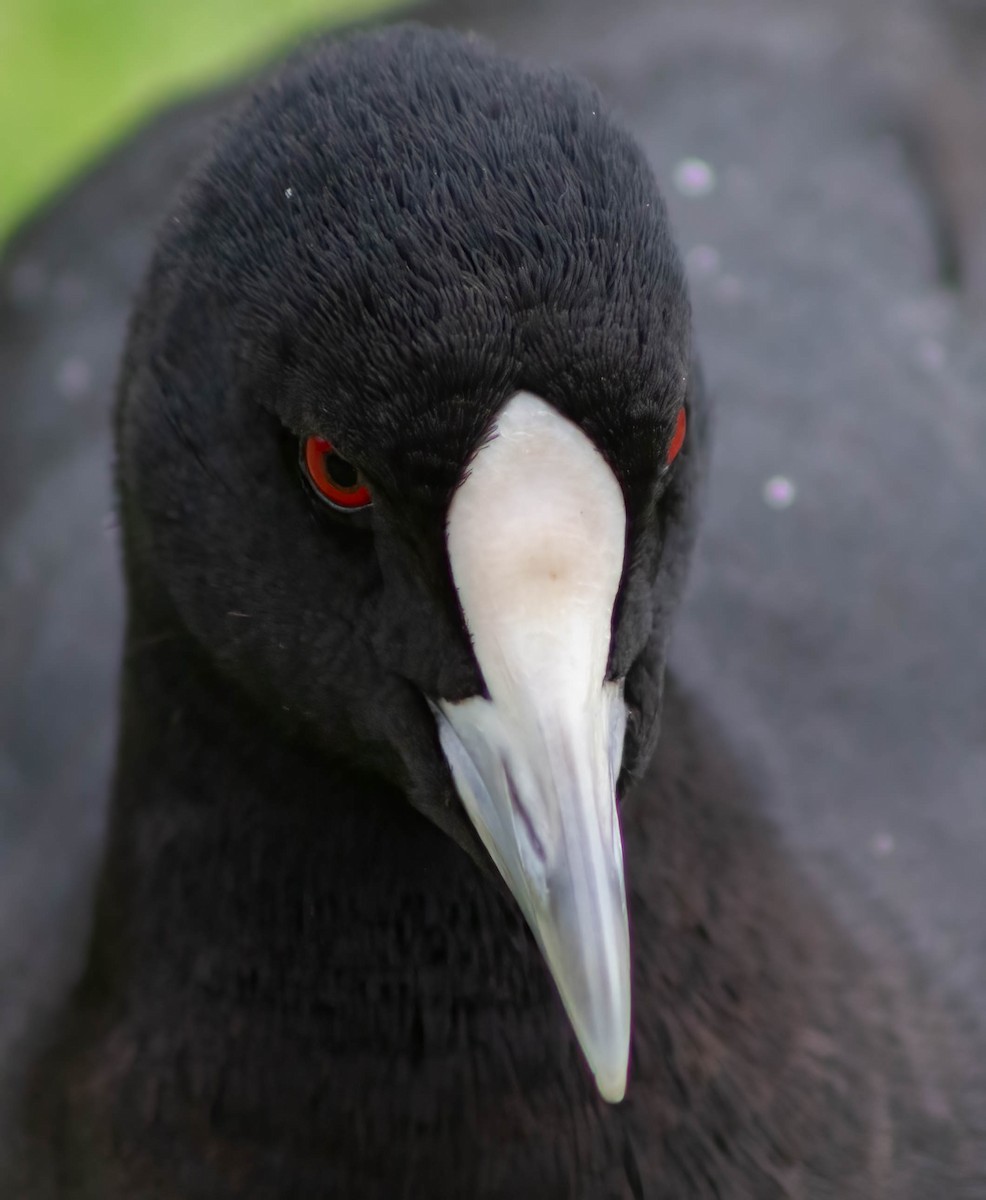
75 74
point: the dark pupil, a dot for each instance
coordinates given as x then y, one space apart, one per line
343 474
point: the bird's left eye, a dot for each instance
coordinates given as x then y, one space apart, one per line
334 480
678 438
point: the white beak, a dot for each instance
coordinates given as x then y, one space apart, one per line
536 536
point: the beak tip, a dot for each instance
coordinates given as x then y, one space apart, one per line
608 1060
574 903
612 1086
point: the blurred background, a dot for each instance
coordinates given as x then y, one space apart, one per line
77 74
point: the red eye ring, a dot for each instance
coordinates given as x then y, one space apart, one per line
317 454
678 438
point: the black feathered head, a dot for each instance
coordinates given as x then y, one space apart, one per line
407 385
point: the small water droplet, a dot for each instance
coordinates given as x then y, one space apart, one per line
779 492
694 177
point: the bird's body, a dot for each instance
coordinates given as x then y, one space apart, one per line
305 979
289 1028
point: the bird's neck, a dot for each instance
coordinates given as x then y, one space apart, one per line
243 861
276 936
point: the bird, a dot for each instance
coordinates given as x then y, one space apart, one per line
423 877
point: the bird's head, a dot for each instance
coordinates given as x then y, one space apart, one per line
402 437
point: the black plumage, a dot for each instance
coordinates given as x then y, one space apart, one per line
298 986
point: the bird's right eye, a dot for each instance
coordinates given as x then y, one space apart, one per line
333 478
677 438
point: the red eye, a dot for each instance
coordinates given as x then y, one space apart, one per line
678 440
336 481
